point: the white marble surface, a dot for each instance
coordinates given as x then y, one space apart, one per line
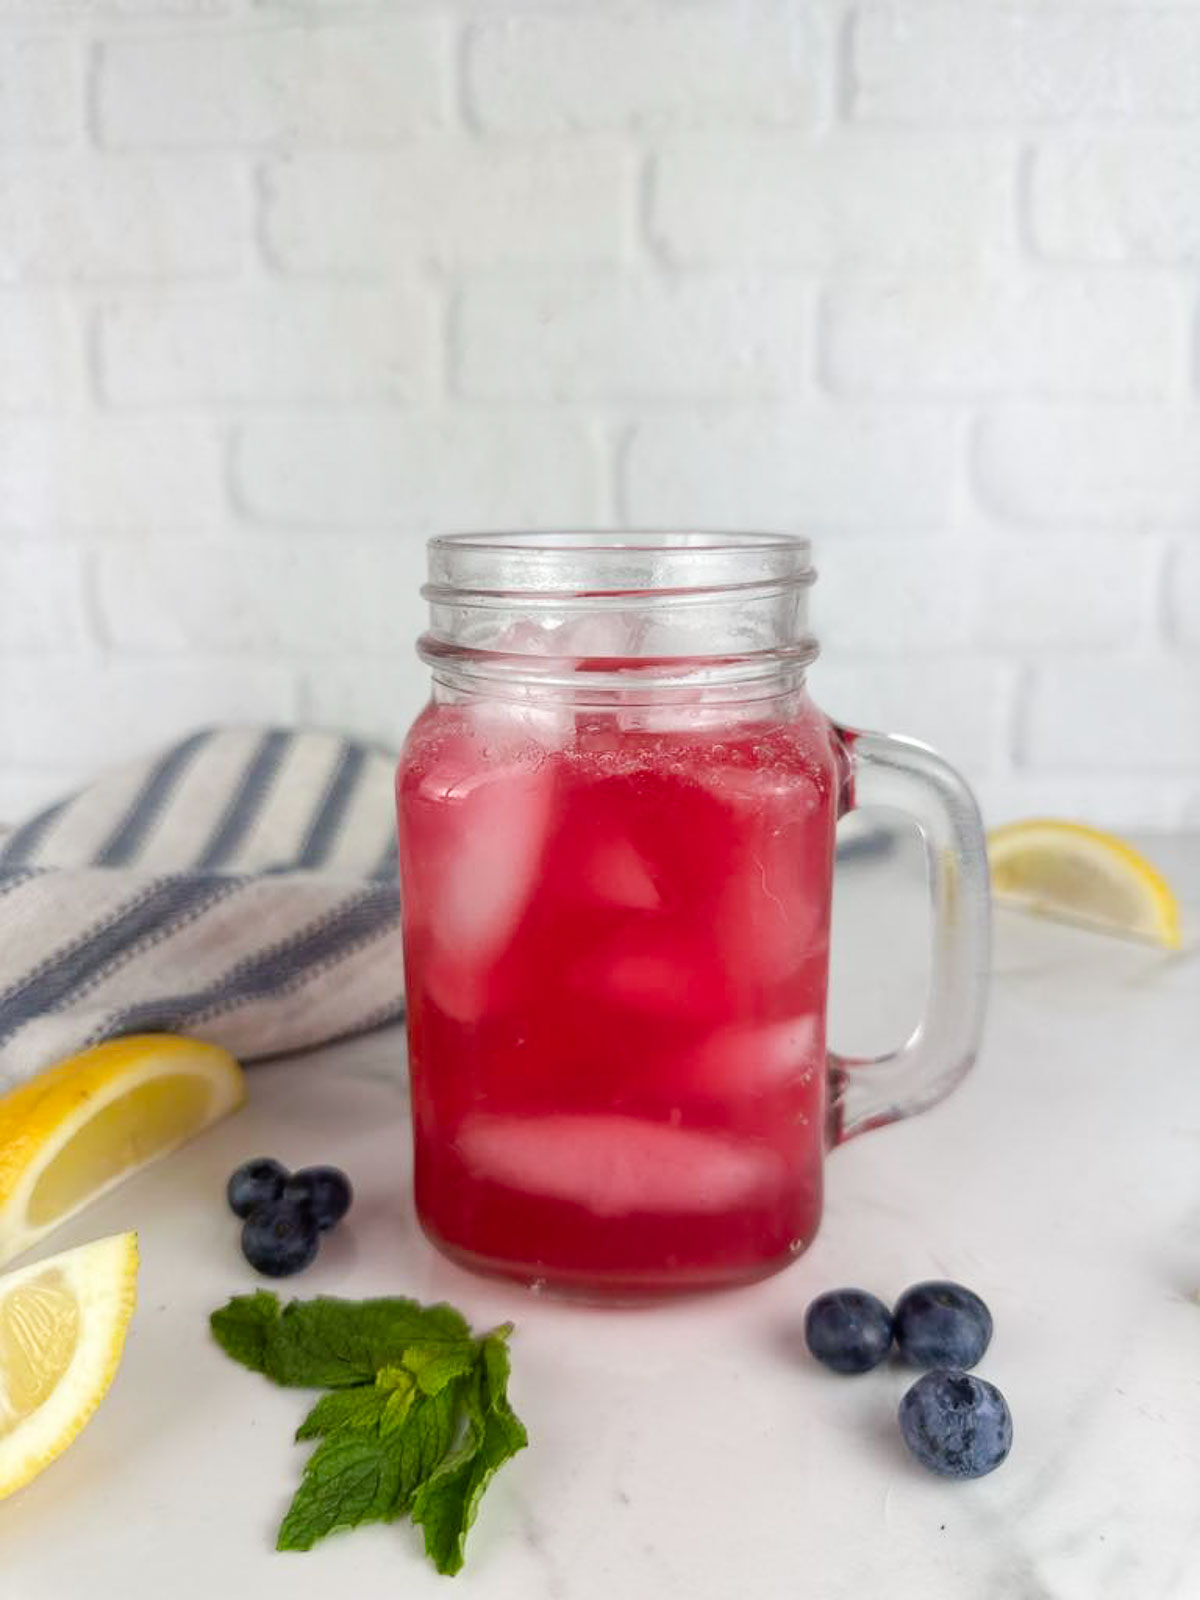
693 1451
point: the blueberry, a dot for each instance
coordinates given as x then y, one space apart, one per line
255 1184
280 1239
956 1424
942 1325
848 1330
324 1190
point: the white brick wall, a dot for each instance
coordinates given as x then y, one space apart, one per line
416 474
1113 466
321 86
1126 198
42 605
631 337
39 339
1054 336
828 468
1087 712
287 345
269 598
40 101
286 285
1054 62
853 201
96 475
961 710
1185 589
94 219
122 705
449 203
650 67
1076 592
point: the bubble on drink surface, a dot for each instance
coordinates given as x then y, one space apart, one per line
616 1165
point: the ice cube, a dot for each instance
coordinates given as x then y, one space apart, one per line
520 706
682 711
687 840
490 865
658 969
786 796
770 918
596 858
760 1058
614 873
527 637
614 1165
478 835
462 987
773 909
600 635
525 711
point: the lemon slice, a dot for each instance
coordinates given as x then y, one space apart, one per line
62 1330
79 1127
1082 875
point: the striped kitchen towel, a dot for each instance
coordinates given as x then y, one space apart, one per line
240 886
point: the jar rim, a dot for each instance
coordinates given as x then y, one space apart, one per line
566 565
648 539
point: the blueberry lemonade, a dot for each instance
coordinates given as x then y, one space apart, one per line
617 953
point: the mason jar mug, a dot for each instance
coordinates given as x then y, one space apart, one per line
617 818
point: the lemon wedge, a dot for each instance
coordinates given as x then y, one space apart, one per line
62 1330
79 1127
1082 875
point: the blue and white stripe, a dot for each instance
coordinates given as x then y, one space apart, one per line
240 886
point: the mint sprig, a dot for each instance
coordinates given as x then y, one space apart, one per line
446 1503
416 1422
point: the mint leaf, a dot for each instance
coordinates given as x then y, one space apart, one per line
417 1419
401 1392
351 1478
433 1426
361 1408
369 1473
244 1328
497 1366
447 1503
327 1343
434 1365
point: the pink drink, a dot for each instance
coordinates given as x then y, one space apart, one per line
616 949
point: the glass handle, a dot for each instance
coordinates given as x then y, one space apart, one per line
902 775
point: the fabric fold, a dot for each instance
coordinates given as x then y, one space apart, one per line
239 886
